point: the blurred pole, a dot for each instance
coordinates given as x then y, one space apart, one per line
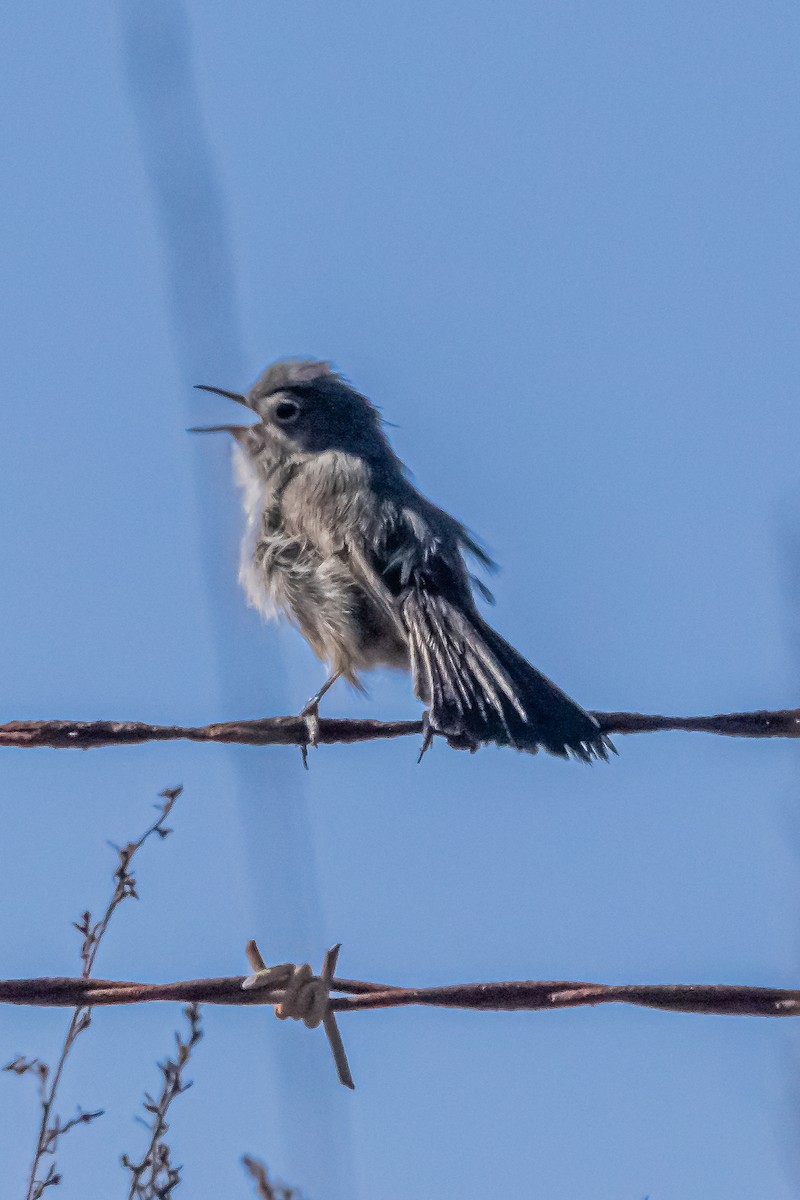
201 290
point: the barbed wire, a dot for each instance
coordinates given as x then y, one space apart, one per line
296 992
293 730
356 995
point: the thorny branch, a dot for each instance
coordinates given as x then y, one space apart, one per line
51 1128
293 731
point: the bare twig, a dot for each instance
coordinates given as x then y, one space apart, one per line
51 1128
266 1189
293 731
156 1176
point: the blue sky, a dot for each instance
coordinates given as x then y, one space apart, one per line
557 243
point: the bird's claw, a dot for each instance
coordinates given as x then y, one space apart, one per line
427 735
310 715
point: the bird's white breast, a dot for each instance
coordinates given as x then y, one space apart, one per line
253 502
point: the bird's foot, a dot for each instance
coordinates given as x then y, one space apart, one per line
427 735
461 740
310 715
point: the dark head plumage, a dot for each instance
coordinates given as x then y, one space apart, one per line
305 406
313 409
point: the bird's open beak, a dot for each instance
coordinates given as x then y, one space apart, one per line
237 396
237 430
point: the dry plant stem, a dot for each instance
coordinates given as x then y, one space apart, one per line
124 886
155 1177
293 731
47 1137
520 995
258 1173
265 1188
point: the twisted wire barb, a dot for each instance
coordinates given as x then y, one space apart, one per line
304 997
293 731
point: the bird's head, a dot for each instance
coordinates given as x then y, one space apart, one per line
304 406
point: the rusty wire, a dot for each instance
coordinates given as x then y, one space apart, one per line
519 995
293 731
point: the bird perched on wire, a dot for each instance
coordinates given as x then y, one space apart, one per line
373 574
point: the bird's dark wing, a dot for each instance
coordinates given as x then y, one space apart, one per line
477 687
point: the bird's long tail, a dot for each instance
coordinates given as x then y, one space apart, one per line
479 689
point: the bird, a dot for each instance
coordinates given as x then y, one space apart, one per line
372 573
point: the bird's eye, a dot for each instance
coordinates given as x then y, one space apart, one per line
287 411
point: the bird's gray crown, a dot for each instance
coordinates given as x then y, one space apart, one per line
291 373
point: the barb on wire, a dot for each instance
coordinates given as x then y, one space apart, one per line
303 996
293 731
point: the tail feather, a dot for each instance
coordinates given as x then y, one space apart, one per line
479 689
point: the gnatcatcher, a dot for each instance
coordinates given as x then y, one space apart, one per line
373 574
